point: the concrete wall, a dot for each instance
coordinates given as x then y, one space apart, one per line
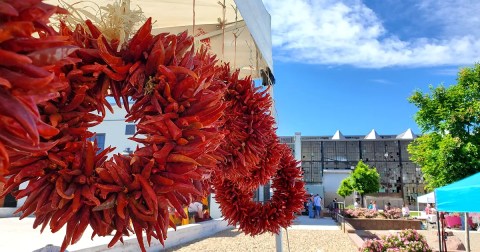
15 232
315 188
182 235
7 212
395 200
384 224
331 182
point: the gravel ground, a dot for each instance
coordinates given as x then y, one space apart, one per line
298 240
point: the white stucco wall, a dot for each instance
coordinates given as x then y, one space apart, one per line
331 182
214 208
113 127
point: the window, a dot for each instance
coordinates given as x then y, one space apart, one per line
100 138
130 129
9 201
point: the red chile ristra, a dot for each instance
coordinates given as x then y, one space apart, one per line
251 156
23 81
254 217
198 125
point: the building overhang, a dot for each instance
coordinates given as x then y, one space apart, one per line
237 31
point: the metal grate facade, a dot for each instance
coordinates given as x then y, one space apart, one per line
387 154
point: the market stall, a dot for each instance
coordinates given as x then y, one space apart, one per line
461 196
426 199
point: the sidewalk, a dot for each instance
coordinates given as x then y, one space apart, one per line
18 235
302 222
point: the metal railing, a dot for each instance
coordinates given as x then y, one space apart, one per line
337 216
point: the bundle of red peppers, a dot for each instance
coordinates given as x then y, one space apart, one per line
199 128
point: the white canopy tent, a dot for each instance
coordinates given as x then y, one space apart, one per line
237 31
427 198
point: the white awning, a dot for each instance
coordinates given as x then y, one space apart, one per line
427 198
244 40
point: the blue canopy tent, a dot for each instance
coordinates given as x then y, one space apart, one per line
461 196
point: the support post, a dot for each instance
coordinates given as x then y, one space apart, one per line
440 235
467 234
278 241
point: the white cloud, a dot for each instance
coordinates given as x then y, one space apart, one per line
447 71
457 17
333 32
382 81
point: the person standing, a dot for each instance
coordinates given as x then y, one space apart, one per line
428 209
370 205
356 205
405 211
196 208
333 209
387 207
311 208
318 205
331 206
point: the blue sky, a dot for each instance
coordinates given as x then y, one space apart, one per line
350 65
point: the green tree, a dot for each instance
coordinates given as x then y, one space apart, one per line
449 118
345 188
363 180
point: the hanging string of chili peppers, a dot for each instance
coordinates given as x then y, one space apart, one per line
252 155
250 128
197 126
24 82
238 207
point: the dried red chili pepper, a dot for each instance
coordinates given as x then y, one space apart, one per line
22 81
249 123
254 217
179 98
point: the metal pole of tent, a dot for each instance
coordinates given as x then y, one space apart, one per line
439 222
467 233
440 235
